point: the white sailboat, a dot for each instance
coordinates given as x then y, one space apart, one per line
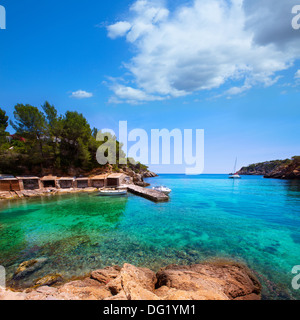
234 175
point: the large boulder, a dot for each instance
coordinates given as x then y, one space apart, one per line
138 283
212 281
87 289
105 275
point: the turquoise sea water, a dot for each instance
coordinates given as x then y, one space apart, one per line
252 220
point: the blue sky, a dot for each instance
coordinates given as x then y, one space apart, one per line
216 65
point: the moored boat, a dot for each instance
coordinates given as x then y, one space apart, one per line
234 175
162 189
112 192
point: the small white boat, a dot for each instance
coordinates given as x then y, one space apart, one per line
112 192
234 175
162 189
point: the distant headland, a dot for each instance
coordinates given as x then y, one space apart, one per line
278 169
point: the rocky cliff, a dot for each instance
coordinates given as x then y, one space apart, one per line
206 281
281 169
289 170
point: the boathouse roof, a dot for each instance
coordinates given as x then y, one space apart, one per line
28 178
48 178
6 177
99 177
115 175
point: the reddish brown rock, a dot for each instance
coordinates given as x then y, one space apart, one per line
142 276
206 281
87 289
106 275
222 280
49 280
138 283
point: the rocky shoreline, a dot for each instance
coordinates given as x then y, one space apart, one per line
137 178
288 169
11 195
219 280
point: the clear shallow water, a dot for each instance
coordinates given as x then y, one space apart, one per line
252 220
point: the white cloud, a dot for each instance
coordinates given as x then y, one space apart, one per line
237 90
297 74
81 94
130 95
118 29
204 45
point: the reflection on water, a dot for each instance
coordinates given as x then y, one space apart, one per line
252 220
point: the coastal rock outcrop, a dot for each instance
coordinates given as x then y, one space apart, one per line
209 281
149 174
206 281
286 171
278 169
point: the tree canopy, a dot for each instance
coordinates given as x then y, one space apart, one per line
45 139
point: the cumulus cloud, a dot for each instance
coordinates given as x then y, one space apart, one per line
81 94
118 29
271 22
204 45
131 95
297 75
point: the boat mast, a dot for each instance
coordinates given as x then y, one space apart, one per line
234 170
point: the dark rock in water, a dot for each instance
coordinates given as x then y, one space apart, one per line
28 267
49 280
181 255
296 237
271 250
193 253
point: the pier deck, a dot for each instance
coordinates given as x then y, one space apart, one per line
149 194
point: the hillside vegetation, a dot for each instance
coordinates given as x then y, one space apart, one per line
281 169
45 142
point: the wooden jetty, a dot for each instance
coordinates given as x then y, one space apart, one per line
149 194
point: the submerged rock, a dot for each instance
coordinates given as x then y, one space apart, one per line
49 280
206 281
28 267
